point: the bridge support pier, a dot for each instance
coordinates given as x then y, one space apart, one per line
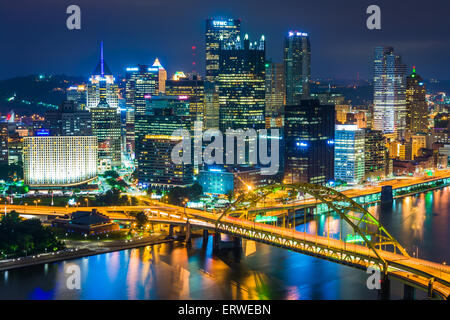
409 293
430 288
385 291
217 240
171 230
237 242
205 236
188 232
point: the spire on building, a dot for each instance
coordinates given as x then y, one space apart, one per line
157 64
102 68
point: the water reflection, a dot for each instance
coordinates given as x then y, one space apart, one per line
174 271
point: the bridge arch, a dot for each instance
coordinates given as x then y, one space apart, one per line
349 210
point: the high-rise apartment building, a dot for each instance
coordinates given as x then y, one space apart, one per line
217 31
297 66
389 113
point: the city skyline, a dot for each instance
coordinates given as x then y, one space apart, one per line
340 52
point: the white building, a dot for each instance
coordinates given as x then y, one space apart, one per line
58 161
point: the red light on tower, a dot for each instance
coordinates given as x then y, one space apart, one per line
194 58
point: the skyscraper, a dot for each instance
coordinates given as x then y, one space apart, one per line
275 89
416 104
102 83
375 159
107 128
68 120
241 83
349 153
162 76
154 142
141 83
106 125
297 65
309 132
218 30
389 113
193 91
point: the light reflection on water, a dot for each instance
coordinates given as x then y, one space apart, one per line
172 271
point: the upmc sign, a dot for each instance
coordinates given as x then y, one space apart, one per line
219 23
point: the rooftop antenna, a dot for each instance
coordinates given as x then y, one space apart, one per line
102 61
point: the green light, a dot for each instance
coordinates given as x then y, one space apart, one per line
265 219
356 238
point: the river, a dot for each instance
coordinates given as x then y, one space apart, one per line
421 223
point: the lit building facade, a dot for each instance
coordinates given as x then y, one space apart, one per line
349 154
59 161
77 94
154 142
275 89
416 104
309 134
389 113
141 83
106 127
297 66
102 84
68 120
162 76
218 30
375 158
191 90
241 83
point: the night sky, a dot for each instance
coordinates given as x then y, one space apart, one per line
34 37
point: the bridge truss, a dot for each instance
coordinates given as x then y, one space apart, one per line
364 224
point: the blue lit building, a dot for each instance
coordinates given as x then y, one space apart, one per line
349 153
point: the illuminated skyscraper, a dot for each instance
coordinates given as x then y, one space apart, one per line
68 120
241 83
193 91
297 65
4 143
389 113
349 153
309 132
416 104
154 142
275 90
141 83
107 128
217 29
103 103
77 94
375 153
102 83
162 76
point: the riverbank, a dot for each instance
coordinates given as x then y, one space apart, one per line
74 252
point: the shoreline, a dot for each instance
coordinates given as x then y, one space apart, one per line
72 253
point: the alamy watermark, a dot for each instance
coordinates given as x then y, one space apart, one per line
73 280
374 280
374 20
73 21
251 147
